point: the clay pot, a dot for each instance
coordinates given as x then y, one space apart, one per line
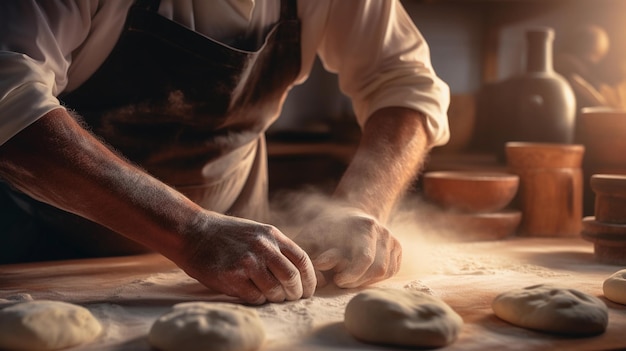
610 202
526 155
550 191
470 191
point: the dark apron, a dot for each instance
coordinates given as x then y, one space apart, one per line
189 110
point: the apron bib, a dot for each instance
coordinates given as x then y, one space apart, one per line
190 110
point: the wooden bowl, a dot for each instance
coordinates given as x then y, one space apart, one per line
470 191
481 226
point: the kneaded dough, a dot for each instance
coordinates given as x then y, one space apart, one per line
46 325
401 317
196 326
614 287
552 309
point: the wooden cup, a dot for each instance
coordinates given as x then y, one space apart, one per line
551 187
610 202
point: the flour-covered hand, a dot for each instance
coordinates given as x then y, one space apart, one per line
350 247
249 260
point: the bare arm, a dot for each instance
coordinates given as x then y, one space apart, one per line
391 152
58 162
350 243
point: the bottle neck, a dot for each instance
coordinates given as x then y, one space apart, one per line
539 50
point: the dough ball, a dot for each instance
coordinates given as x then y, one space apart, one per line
46 325
552 309
401 317
205 326
614 287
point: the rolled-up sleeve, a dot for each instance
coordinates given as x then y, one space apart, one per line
382 60
26 93
36 41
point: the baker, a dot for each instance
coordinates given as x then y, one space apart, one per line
133 126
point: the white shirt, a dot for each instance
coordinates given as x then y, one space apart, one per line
47 47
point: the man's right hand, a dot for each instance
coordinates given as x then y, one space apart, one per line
252 261
58 162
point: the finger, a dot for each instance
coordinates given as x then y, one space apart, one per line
252 294
252 282
267 284
329 259
286 277
232 283
396 258
361 264
304 282
393 261
242 288
371 265
383 269
361 271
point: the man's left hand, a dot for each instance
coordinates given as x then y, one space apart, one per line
350 247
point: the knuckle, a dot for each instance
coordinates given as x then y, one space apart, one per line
270 230
368 257
367 224
246 260
233 277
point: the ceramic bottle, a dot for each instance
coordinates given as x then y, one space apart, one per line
537 105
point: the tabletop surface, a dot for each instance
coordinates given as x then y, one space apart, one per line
127 294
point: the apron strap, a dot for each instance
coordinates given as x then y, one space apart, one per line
149 5
289 9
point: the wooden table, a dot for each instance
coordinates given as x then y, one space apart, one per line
128 293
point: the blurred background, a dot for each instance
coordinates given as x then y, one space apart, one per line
473 43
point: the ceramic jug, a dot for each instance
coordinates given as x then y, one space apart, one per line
537 105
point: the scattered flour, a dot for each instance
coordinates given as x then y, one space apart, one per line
467 273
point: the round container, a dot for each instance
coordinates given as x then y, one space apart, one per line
551 187
483 226
610 201
609 240
470 191
602 131
530 155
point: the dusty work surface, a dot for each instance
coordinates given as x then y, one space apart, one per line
127 294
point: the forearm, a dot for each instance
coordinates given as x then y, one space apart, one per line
56 161
391 152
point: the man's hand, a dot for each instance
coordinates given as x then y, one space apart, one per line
350 247
57 162
254 262
351 243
